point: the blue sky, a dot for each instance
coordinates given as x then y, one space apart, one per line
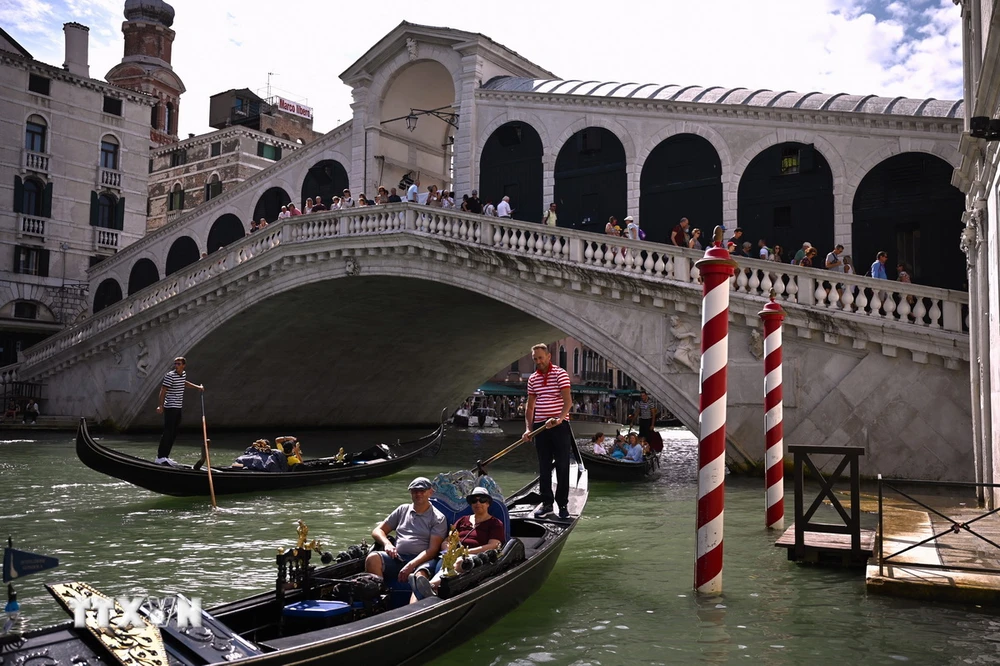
900 47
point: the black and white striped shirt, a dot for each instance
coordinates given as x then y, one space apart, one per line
175 389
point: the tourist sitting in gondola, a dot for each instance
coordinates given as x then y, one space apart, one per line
292 448
262 458
479 533
620 449
598 444
634 449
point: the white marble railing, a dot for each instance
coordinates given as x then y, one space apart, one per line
37 162
109 178
33 227
105 239
859 298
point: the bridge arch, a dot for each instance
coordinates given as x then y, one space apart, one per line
269 204
327 178
107 294
786 196
225 230
591 180
511 165
681 177
183 252
907 206
143 274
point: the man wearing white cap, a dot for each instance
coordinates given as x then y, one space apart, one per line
632 230
420 529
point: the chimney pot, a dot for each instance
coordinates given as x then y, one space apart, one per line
77 49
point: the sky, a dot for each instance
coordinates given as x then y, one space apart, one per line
907 47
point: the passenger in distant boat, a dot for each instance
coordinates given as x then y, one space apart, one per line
634 449
479 532
598 442
292 449
260 457
420 529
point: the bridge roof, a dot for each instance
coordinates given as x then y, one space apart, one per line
788 99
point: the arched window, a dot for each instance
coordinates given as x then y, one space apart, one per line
176 200
576 361
213 188
31 197
34 134
168 121
106 207
109 152
154 117
562 357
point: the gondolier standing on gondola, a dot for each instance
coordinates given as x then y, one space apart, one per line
171 402
549 402
646 412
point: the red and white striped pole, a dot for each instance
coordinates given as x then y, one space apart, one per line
716 268
774 433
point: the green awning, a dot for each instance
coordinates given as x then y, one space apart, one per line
496 388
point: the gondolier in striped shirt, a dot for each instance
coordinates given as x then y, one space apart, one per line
549 403
171 402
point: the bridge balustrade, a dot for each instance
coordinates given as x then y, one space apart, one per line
865 300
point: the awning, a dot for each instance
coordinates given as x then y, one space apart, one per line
496 388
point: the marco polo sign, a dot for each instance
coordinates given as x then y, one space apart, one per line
294 107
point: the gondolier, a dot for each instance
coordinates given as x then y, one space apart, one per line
549 402
171 402
645 410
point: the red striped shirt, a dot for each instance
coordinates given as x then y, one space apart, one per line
547 389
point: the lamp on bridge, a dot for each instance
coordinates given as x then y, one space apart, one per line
414 115
984 127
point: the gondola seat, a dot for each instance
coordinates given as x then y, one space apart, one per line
316 609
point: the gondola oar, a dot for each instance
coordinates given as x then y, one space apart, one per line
208 459
481 466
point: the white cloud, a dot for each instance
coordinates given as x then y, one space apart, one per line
856 46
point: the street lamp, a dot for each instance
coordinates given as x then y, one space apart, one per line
439 113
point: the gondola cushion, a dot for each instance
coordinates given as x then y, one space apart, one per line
316 609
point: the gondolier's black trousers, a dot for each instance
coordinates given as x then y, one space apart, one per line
171 419
553 447
645 427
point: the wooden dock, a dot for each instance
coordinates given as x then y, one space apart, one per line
827 548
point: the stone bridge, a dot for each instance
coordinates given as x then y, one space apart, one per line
388 314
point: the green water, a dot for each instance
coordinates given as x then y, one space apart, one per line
620 594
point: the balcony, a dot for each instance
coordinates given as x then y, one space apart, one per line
106 239
109 178
29 227
37 162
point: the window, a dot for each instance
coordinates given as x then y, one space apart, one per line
176 200
576 361
789 161
216 148
213 188
267 151
31 261
515 366
782 217
96 260
31 197
34 135
562 357
178 157
168 122
239 106
150 165
109 153
112 106
25 310
154 117
38 84
106 204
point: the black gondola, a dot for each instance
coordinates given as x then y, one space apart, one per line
606 468
185 481
365 628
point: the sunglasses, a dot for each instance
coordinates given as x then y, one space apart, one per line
176 364
479 500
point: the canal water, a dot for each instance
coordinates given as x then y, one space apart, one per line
620 594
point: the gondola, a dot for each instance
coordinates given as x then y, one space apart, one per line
185 481
606 468
352 623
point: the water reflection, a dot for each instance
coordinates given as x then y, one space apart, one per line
620 593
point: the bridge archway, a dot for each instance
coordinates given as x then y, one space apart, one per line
327 179
908 207
590 180
225 230
786 197
682 177
511 165
107 294
183 252
142 275
270 203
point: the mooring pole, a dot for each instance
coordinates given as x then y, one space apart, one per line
774 433
716 268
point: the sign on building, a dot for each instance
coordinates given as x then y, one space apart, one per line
295 108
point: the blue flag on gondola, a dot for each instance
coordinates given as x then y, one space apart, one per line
18 563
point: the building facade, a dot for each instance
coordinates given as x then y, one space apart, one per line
188 173
979 178
73 154
276 115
